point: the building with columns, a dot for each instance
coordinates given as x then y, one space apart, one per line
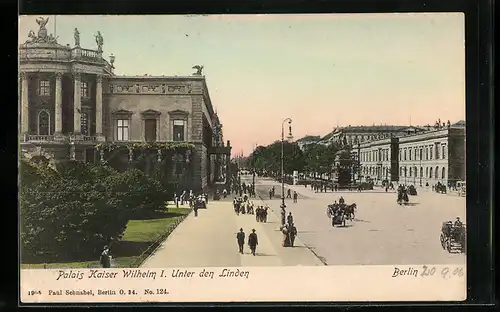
423 158
378 159
73 106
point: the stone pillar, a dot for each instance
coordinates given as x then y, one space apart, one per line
77 104
24 104
58 104
98 106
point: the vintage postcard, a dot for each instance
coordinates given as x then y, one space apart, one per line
227 158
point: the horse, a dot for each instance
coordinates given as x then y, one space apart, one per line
349 211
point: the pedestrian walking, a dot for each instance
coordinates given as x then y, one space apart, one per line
240 238
253 241
295 196
289 218
105 258
288 193
292 230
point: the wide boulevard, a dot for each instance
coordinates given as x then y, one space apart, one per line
382 232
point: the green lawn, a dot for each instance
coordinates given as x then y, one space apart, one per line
138 236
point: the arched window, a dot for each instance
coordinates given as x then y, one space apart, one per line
411 171
443 174
421 172
436 173
405 170
401 171
426 171
43 122
430 172
416 171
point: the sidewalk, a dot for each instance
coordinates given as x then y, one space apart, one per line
209 240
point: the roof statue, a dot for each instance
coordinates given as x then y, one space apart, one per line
100 41
77 37
42 36
198 68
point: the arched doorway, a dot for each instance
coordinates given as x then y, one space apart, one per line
43 121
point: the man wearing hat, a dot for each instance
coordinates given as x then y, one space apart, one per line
105 259
253 241
240 237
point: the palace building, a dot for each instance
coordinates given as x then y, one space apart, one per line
424 158
73 106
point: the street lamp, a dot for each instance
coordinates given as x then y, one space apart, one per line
289 136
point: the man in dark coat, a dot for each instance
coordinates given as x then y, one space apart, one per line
253 241
295 196
289 218
240 238
288 193
293 233
105 259
283 216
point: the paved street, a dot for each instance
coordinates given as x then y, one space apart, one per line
382 233
209 240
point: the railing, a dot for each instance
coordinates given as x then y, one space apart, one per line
37 137
91 138
79 53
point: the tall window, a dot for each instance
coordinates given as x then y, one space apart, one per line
44 123
405 155
437 151
178 130
409 153
430 172
84 123
443 152
415 155
443 174
436 173
426 153
44 87
150 130
123 130
84 88
431 150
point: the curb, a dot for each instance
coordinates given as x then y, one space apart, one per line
145 255
321 259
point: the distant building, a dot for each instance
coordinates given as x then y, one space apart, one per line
427 157
359 134
307 140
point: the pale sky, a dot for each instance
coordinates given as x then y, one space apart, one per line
321 70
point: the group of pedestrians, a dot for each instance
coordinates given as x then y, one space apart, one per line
288 228
195 201
253 241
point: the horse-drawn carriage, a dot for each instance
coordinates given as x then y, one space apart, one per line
440 188
453 236
412 190
402 196
339 213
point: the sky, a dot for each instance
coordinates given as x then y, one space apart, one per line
320 70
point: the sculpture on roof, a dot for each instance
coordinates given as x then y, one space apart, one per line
198 68
100 41
42 36
76 34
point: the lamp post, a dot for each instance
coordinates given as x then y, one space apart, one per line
420 173
289 120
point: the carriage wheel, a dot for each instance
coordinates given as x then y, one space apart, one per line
448 245
441 238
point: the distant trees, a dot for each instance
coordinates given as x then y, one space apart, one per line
315 158
71 212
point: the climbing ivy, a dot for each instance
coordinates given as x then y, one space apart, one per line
110 146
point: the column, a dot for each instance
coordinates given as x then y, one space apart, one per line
24 104
98 106
77 104
58 104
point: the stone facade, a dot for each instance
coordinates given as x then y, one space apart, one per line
431 157
71 100
377 160
421 159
